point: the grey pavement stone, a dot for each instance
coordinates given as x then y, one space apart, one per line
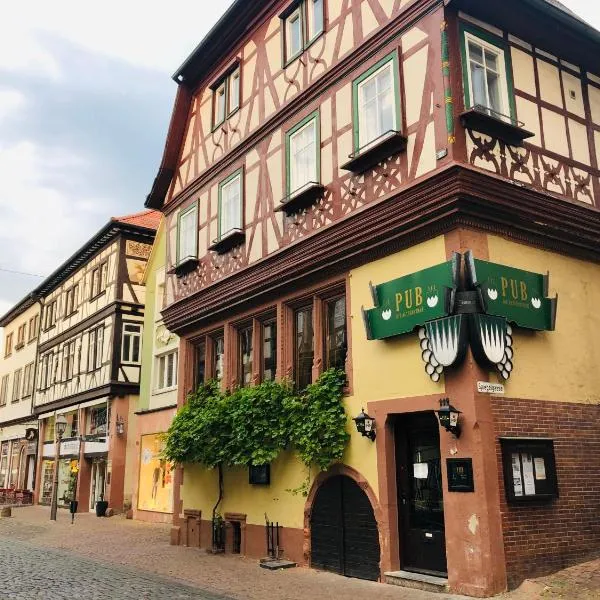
29 573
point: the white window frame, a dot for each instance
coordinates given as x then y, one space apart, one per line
224 187
162 368
297 14
502 74
4 389
313 33
234 89
69 360
95 348
16 389
294 184
187 248
134 336
220 92
363 144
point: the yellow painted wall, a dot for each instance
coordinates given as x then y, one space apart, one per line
559 365
382 370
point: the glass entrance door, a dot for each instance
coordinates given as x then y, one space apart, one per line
420 498
97 483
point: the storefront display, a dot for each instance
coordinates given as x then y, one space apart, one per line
156 477
46 488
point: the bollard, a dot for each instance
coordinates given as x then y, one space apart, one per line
6 512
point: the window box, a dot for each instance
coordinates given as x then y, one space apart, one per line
498 126
184 266
390 143
230 240
529 469
306 196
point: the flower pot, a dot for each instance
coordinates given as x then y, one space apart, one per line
101 507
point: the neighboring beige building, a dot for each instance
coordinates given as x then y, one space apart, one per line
18 429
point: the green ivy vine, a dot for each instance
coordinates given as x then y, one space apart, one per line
252 425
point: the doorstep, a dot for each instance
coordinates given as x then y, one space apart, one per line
418 581
274 564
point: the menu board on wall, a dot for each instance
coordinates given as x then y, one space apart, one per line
155 491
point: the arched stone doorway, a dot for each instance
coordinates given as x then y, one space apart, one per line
344 533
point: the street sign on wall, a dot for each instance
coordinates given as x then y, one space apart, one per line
407 302
517 295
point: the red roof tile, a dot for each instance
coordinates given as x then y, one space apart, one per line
147 218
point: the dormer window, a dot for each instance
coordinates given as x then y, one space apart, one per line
303 23
226 92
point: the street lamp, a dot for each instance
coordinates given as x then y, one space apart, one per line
448 416
365 425
60 426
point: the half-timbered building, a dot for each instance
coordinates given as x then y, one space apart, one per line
89 361
18 429
383 185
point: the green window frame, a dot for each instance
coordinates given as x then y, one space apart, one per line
314 117
310 15
491 41
193 208
237 174
390 59
229 87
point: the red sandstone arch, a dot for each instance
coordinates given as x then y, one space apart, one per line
333 471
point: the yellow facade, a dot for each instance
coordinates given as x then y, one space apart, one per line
559 365
155 492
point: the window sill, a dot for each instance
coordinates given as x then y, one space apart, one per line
19 346
162 391
227 242
102 293
302 198
391 142
184 266
512 133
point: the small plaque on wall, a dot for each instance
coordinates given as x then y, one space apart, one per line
460 475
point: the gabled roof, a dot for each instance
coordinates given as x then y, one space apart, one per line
144 223
146 218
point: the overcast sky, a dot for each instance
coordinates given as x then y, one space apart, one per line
85 100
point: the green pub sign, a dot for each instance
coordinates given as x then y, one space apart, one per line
519 296
405 303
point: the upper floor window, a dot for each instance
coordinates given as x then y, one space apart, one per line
71 300
95 348
166 371
8 344
4 389
303 22
99 280
303 154
376 96
21 336
33 328
245 356
336 345
132 343
16 391
187 234
226 96
50 315
304 350
98 421
68 360
45 370
28 372
231 202
269 350
218 362
485 73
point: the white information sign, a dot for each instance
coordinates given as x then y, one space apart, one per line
528 480
540 468
484 387
516 469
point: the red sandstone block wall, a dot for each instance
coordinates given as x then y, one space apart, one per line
543 537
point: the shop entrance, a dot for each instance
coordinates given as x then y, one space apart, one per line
343 530
98 482
420 498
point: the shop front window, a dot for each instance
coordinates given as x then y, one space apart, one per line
14 465
3 464
47 473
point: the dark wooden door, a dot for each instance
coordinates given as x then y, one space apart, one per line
344 535
420 499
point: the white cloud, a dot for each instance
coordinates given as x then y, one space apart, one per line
10 101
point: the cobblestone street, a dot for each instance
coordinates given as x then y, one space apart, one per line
117 559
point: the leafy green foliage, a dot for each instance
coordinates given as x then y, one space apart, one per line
318 421
252 425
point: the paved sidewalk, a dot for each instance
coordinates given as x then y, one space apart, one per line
143 550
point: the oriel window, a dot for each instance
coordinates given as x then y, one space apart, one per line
304 346
336 345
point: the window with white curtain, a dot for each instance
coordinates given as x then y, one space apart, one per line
187 238
303 149
230 204
377 103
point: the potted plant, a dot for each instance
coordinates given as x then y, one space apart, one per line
101 506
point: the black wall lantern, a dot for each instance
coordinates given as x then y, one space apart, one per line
365 425
448 416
